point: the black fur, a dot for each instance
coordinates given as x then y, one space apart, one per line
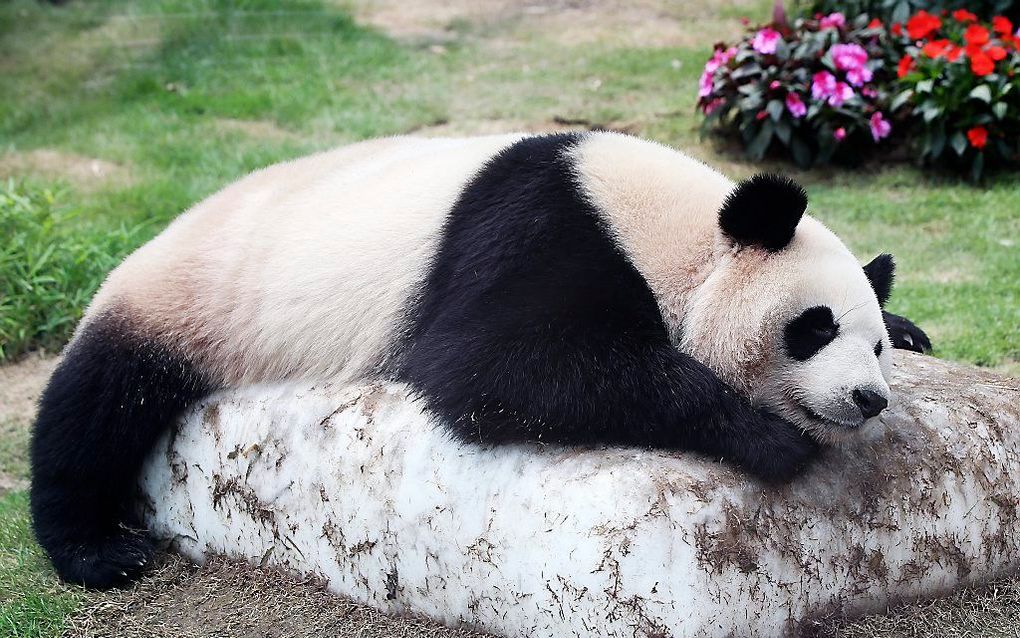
763 210
881 271
904 334
532 326
811 331
104 407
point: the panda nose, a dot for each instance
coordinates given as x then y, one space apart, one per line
869 401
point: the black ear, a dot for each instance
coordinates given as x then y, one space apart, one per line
880 272
763 210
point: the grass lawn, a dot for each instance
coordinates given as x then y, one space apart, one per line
115 116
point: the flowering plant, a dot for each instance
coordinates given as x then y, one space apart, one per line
959 83
814 90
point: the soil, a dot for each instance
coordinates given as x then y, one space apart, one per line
87 173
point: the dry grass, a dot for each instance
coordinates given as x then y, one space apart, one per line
229 598
992 611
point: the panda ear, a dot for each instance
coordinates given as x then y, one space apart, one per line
880 271
763 210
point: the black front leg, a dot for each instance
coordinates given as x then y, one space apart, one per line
904 334
598 389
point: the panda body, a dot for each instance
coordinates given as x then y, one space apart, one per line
570 289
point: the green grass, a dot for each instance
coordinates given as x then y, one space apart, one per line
187 95
32 602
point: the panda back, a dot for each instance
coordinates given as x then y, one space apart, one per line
301 269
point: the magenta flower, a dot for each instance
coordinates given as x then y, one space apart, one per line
713 105
766 41
839 134
719 58
841 94
880 127
848 56
832 21
795 105
823 84
853 59
705 84
774 84
859 76
869 92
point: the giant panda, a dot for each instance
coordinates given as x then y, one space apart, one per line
566 289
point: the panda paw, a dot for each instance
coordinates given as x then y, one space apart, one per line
779 450
113 561
905 335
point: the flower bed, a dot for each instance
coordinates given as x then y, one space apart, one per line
832 89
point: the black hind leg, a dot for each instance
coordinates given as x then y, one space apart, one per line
100 415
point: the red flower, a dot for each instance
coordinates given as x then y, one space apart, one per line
976 35
897 29
761 115
922 24
962 15
875 24
978 137
906 63
1002 26
981 64
935 48
953 53
996 52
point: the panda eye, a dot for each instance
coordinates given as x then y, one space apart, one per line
811 331
878 348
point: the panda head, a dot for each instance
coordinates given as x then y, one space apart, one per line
789 316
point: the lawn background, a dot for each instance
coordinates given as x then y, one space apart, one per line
115 116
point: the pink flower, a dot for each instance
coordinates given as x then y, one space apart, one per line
841 94
823 84
869 92
839 134
719 58
880 127
705 84
859 76
795 105
713 105
832 21
848 56
774 84
766 41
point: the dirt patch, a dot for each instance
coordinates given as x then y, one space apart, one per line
497 126
87 173
643 23
21 384
257 129
228 598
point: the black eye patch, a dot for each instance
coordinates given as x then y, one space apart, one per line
878 348
811 331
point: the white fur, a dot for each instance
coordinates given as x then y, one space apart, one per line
301 270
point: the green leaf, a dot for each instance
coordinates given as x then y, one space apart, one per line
756 149
977 166
982 92
775 109
901 99
999 108
958 142
938 142
783 131
801 152
925 86
931 110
